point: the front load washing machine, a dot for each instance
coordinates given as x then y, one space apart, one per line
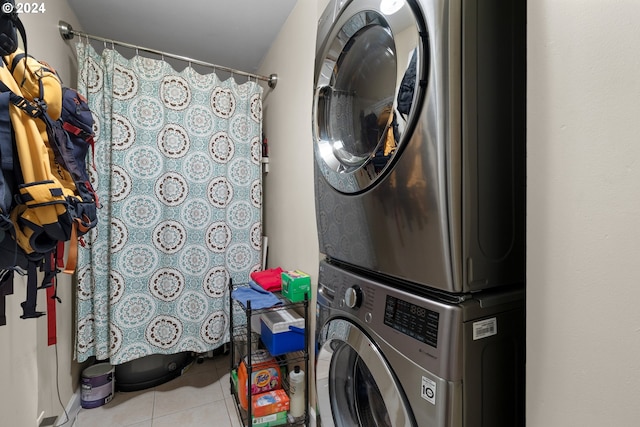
388 358
419 136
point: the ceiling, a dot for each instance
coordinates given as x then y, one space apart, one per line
230 33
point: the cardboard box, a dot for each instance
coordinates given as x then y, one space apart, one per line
282 331
295 284
270 420
268 403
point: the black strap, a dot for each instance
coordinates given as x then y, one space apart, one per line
23 33
16 59
6 144
6 288
50 271
33 109
29 305
6 162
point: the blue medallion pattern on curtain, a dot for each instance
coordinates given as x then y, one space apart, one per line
177 171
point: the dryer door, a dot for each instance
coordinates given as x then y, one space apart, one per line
370 78
355 385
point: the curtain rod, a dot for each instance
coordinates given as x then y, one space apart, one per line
67 32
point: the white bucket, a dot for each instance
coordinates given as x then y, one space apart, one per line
97 385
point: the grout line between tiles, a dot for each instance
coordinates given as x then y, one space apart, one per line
153 407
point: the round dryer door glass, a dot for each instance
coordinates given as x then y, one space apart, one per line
355 386
368 71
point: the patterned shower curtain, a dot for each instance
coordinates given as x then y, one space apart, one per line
178 175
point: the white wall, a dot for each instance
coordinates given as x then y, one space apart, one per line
288 187
27 365
583 336
289 200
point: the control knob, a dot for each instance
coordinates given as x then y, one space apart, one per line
353 297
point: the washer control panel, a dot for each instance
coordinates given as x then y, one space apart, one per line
412 320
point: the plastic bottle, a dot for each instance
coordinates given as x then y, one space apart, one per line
296 392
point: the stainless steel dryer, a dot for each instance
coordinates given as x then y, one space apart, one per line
419 134
388 358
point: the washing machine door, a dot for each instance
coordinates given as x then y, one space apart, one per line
372 60
355 385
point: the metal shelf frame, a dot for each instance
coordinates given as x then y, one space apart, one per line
236 331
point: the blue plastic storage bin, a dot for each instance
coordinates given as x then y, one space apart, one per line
282 331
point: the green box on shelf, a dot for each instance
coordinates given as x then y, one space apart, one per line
234 379
271 420
295 284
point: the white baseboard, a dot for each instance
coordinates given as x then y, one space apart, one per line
73 407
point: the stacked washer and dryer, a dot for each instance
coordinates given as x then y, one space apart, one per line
419 133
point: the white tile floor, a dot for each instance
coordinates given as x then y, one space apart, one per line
198 398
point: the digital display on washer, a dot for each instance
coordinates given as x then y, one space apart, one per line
412 320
